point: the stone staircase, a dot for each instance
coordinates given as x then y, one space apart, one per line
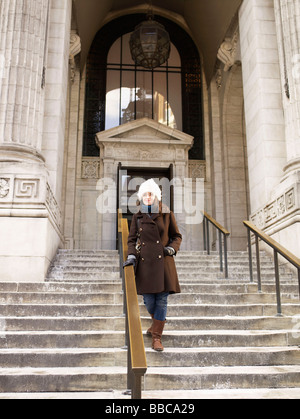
222 338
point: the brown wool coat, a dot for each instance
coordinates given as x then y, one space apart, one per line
155 272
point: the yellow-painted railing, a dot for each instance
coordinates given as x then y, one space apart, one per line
137 363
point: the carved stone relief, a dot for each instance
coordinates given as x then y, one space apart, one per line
4 188
53 207
276 210
26 188
90 168
197 170
31 193
228 51
75 48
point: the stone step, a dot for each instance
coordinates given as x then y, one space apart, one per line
220 394
211 394
85 261
98 264
82 275
211 277
109 267
64 357
62 287
222 377
60 298
73 278
230 285
241 271
117 298
172 339
90 252
64 339
223 287
227 338
171 357
241 287
182 254
169 378
107 272
193 262
212 273
234 277
217 310
238 356
231 256
63 379
61 310
231 323
109 310
44 323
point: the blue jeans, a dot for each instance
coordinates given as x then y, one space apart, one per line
157 304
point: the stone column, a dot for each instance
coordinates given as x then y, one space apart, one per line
30 216
287 14
22 50
264 116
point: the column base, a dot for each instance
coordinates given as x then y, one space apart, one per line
19 153
291 173
30 218
27 247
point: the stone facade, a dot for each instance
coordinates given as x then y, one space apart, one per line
251 114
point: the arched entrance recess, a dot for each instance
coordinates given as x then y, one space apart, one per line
94 120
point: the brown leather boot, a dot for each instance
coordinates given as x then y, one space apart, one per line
149 331
157 331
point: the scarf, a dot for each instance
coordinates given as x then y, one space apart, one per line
150 209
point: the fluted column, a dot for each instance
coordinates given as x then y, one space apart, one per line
287 14
30 215
23 28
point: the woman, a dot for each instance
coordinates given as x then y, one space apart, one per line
154 228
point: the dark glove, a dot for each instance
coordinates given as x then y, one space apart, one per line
169 251
130 261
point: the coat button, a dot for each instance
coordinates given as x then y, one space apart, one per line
157 242
159 257
143 260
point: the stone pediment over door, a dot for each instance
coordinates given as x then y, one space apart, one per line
141 144
144 142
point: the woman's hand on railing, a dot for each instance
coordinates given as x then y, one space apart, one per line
130 261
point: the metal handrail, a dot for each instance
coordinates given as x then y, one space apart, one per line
278 249
136 355
222 232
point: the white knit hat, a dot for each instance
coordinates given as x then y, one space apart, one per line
149 186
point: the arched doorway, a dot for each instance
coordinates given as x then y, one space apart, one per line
97 73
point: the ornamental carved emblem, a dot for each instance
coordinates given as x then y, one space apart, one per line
4 188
